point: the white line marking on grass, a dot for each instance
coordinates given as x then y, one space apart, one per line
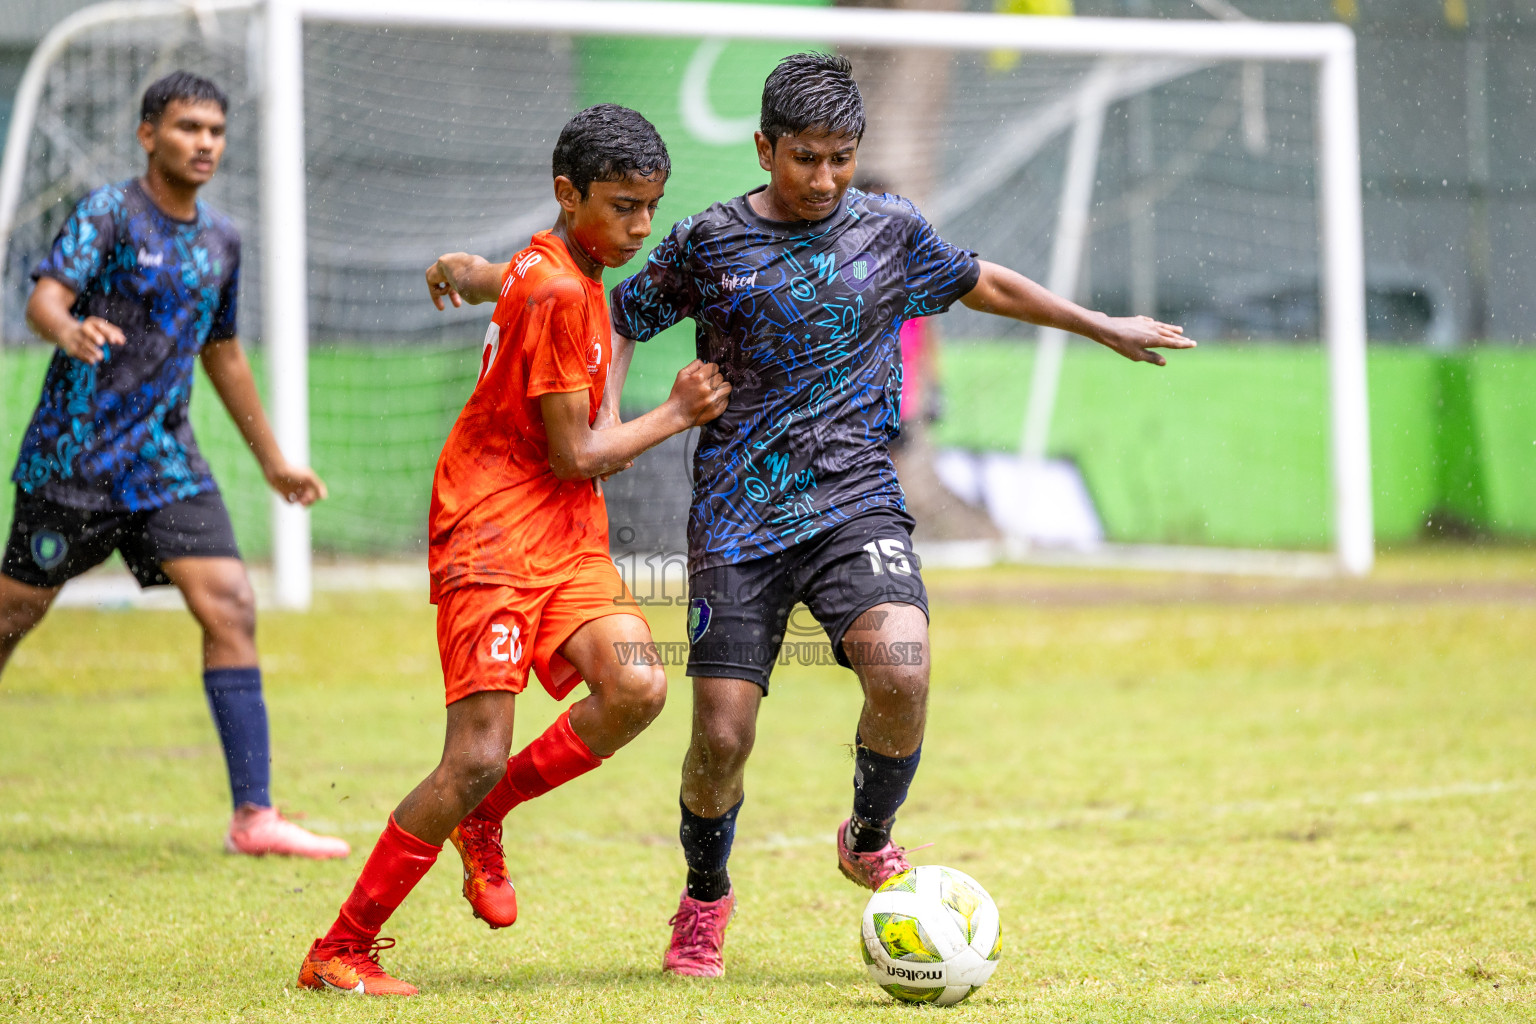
113 588
1390 796
1088 816
780 841
1437 792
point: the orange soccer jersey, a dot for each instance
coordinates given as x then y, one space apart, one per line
499 513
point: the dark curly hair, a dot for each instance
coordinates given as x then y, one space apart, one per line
609 143
812 92
179 85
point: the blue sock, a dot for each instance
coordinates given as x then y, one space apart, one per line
240 715
880 787
707 848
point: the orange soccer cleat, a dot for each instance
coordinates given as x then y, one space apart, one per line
351 969
486 885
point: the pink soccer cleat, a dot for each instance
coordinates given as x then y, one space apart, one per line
258 831
869 869
698 936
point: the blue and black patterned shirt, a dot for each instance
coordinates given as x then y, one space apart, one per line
116 436
804 321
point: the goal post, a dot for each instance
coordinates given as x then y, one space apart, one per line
285 293
1330 47
277 59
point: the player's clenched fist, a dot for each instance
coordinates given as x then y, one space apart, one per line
700 393
87 339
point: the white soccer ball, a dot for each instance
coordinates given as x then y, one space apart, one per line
931 935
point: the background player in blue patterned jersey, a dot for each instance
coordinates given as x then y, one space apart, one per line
799 290
140 284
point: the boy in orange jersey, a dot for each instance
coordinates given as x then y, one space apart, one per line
521 574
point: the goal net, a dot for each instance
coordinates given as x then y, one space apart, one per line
1204 173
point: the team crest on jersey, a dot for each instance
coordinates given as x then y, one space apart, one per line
698 619
48 549
859 271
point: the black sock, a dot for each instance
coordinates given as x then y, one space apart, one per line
707 849
880 786
708 886
240 715
868 836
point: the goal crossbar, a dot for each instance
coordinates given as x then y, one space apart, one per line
1329 47
861 26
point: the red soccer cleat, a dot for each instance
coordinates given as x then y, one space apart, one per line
354 970
698 936
258 831
486 885
869 869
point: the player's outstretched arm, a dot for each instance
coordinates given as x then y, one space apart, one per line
460 278
578 452
49 316
1008 293
230 374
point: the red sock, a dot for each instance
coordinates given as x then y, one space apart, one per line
555 758
397 863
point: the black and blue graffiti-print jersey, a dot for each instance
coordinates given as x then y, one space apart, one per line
803 320
116 436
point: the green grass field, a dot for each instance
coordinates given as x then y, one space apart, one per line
1192 800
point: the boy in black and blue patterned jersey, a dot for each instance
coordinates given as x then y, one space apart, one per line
140 284
799 290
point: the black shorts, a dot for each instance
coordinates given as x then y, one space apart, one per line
52 543
738 615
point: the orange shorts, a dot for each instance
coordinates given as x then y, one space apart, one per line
489 636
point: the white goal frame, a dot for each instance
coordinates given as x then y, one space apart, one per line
1330 48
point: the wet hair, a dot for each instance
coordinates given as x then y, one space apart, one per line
609 143
812 92
183 86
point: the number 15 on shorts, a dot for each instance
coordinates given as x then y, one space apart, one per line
888 556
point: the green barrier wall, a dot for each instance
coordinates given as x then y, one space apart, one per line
1225 446
1504 411
1228 445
